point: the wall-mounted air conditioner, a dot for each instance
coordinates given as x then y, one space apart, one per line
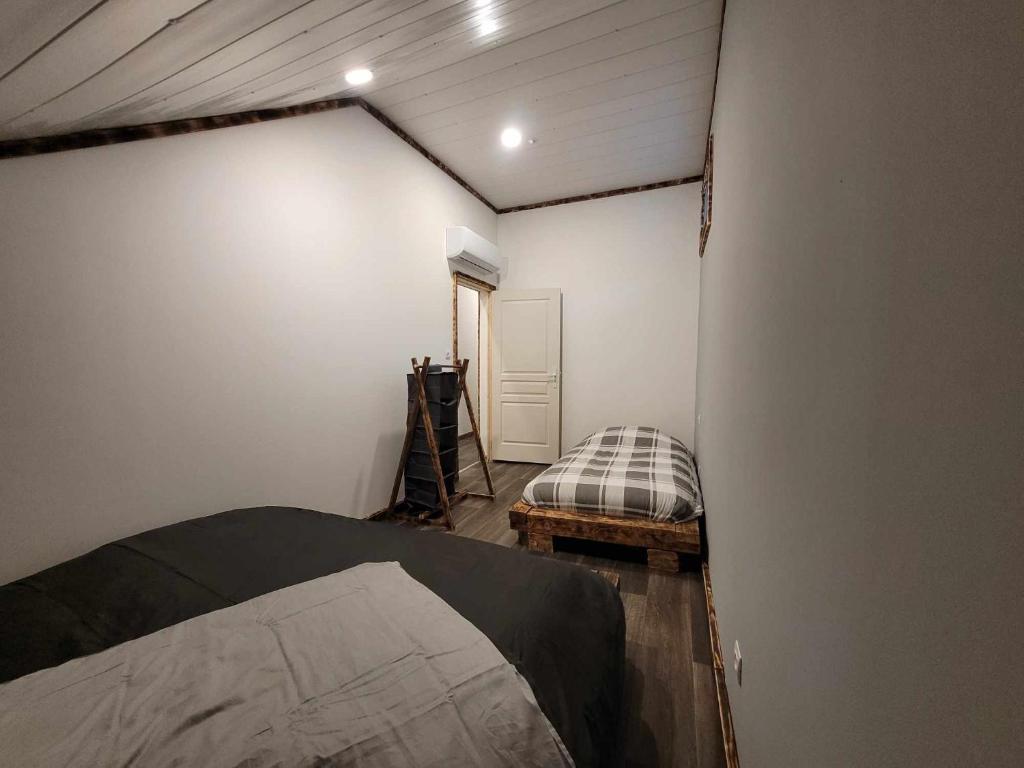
468 252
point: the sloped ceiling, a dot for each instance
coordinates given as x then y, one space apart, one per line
614 94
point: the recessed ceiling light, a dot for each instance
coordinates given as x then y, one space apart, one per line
511 138
358 76
488 27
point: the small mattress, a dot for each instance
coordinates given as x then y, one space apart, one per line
635 472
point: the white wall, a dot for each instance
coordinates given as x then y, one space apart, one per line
195 323
861 380
469 321
629 274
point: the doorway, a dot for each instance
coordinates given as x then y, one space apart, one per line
471 310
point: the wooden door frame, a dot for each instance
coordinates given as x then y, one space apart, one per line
467 281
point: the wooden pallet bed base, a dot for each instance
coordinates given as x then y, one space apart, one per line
664 542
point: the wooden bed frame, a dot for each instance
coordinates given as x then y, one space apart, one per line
664 542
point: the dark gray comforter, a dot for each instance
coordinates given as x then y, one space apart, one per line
366 667
562 626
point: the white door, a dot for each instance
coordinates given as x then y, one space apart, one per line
527 338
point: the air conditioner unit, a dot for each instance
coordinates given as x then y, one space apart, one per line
470 253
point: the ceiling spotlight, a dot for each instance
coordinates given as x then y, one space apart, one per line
358 76
488 27
511 138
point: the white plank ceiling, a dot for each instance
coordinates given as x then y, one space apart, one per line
614 93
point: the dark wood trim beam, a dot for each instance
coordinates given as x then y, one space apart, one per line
599 195
102 136
714 88
391 125
732 755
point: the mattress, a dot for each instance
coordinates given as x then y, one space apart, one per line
365 667
561 625
630 472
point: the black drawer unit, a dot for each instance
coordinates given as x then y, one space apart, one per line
441 414
441 389
419 464
421 482
423 493
446 437
442 398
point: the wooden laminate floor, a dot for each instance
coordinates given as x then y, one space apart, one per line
670 709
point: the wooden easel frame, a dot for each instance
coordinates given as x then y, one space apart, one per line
420 406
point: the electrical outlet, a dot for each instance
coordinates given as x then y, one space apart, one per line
737 662
448 357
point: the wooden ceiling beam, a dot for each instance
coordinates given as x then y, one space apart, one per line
104 136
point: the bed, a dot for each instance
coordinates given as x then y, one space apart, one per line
570 646
635 486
